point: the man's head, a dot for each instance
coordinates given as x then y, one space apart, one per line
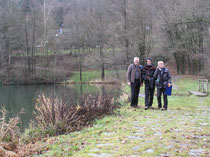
161 64
136 60
149 61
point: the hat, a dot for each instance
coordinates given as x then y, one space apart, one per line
149 59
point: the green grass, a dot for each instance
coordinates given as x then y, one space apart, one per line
185 84
85 89
88 76
70 51
49 53
123 125
184 127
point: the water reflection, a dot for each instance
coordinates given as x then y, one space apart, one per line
20 96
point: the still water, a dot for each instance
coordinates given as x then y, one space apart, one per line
17 97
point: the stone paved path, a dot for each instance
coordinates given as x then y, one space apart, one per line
171 133
183 130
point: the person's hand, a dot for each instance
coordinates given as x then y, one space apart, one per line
158 67
129 83
169 85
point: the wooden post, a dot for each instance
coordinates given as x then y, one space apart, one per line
203 85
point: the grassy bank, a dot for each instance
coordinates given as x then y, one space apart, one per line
95 75
53 116
183 130
47 76
181 85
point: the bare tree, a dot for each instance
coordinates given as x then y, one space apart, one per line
186 32
99 23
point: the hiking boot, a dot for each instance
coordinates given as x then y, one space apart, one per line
146 108
163 109
134 106
151 107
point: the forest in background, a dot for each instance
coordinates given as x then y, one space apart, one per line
44 40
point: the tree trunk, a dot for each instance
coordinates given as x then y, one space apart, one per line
189 65
102 63
126 31
80 64
177 62
182 62
115 64
201 60
33 40
28 69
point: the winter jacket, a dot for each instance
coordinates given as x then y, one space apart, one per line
162 77
148 73
131 72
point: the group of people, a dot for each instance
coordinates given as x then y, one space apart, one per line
152 77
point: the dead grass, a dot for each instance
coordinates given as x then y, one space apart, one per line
56 113
9 134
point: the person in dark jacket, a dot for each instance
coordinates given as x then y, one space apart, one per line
148 72
162 80
134 80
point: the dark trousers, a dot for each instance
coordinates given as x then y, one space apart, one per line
149 94
165 99
135 87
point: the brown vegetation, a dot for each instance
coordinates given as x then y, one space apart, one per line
9 134
53 116
64 118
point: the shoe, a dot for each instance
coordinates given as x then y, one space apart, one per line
163 109
151 107
134 106
146 108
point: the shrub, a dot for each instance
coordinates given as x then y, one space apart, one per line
54 116
9 134
9 131
33 133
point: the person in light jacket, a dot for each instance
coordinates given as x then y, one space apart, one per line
162 78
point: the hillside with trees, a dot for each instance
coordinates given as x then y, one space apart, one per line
46 40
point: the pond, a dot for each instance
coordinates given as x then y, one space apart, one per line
17 97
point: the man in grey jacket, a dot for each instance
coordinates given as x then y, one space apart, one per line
134 80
